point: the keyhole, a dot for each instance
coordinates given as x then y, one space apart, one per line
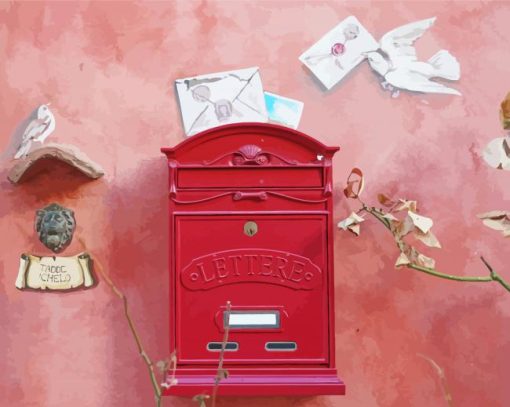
250 228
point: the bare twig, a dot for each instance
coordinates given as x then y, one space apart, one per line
150 366
221 373
173 368
495 276
169 365
200 399
442 376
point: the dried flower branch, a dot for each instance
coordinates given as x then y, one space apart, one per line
417 226
222 373
442 376
169 364
150 366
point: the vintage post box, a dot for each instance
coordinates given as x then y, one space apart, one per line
250 209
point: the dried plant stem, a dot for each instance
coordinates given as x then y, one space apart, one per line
442 376
155 385
220 372
173 368
433 272
494 275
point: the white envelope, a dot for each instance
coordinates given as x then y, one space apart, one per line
339 51
225 97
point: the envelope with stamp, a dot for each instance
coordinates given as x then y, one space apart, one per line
220 98
339 51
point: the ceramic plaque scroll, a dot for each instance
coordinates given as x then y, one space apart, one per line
54 273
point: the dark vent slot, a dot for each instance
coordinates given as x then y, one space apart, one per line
216 346
281 346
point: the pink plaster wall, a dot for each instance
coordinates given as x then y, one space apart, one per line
108 70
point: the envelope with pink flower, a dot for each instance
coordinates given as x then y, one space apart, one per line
339 51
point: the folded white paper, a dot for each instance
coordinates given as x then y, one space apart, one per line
339 51
226 97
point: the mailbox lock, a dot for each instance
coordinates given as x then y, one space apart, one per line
250 228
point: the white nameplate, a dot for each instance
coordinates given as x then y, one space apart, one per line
254 320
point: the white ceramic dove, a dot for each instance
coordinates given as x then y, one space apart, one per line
38 129
396 61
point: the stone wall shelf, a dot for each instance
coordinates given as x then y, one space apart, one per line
68 154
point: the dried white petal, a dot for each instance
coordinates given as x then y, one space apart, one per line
353 219
493 214
404 204
354 229
402 260
425 261
496 153
427 238
403 227
389 216
495 224
421 222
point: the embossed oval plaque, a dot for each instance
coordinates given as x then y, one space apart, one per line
251 266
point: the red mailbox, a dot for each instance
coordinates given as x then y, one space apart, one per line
251 223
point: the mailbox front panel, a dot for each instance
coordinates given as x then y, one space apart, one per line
251 223
271 267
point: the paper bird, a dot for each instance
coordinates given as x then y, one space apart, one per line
38 129
396 61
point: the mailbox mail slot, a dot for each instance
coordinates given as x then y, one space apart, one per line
251 223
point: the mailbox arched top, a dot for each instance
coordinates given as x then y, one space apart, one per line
255 144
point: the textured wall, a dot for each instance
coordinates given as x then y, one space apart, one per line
108 70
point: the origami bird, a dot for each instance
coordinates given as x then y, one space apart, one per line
38 129
397 63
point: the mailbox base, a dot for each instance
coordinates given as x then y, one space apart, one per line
270 382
